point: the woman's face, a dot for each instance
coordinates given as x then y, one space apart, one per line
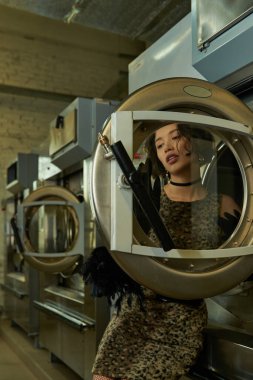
174 150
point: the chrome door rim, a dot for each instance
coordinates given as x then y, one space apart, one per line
171 94
59 265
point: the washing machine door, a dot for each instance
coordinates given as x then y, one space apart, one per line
51 225
183 274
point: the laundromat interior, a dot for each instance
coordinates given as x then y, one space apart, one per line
76 78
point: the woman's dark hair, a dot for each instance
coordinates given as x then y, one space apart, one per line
202 143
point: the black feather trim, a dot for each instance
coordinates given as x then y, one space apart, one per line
109 280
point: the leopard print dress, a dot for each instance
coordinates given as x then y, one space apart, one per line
163 342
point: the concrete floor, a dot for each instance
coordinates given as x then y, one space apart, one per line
19 359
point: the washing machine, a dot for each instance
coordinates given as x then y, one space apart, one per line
21 281
58 231
217 274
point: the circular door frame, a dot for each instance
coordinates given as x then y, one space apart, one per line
62 264
173 94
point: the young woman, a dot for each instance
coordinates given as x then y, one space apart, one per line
163 341
194 218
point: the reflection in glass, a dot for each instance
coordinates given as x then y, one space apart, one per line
203 223
51 229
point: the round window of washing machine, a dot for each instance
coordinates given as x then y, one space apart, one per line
52 218
225 158
51 228
192 224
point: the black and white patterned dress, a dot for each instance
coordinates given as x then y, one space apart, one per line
163 342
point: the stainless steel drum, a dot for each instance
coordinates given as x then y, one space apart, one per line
51 221
174 277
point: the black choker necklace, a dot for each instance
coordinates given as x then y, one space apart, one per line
185 183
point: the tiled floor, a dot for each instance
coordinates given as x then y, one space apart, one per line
20 360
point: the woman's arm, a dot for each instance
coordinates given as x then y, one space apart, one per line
229 216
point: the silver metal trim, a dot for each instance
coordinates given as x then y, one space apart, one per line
179 281
63 316
18 294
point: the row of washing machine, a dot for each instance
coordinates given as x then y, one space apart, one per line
49 230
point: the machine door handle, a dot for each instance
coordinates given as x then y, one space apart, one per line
18 294
17 235
141 195
79 324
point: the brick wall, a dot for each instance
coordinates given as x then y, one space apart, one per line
43 54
